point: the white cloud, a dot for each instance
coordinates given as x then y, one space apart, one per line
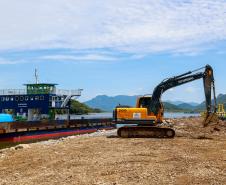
190 90
90 56
3 61
87 57
143 26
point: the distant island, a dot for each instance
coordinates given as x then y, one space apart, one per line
108 103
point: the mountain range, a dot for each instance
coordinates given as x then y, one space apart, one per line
108 103
181 102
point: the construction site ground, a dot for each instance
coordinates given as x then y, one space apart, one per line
196 155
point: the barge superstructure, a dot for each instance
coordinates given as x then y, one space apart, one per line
36 101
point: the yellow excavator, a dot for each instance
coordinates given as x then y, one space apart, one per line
145 120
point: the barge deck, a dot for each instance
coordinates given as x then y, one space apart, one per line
36 130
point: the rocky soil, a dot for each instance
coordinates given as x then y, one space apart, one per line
196 155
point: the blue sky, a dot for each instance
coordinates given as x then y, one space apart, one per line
122 47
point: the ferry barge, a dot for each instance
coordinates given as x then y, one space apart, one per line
34 111
35 130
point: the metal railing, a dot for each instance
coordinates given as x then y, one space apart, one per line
61 92
12 91
76 92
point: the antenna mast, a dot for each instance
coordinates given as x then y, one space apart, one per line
36 76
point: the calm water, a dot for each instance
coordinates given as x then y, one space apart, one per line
109 115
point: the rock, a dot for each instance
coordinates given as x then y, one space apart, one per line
21 146
216 129
18 147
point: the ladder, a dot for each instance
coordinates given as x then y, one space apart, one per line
66 100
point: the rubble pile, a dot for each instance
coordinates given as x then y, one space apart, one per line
193 128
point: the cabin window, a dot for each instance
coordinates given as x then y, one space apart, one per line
11 98
21 98
26 98
3 98
41 97
7 98
36 97
17 98
31 98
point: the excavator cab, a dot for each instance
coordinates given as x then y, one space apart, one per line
145 102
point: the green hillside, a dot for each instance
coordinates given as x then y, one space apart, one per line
108 103
168 107
81 108
221 99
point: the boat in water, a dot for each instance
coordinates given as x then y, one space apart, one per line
30 114
21 131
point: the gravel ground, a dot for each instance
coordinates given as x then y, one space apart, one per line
195 156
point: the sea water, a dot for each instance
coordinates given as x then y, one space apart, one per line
109 115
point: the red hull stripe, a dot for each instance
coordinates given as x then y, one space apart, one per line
46 136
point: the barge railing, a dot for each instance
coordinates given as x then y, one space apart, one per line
55 124
13 91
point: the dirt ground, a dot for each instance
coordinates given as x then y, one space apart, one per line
195 156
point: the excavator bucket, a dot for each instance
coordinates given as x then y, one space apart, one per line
210 118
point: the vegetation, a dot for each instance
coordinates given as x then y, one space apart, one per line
81 108
76 108
108 103
168 107
221 98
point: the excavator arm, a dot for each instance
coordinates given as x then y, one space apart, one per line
208 81
211 102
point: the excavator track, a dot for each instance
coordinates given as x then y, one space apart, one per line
145 132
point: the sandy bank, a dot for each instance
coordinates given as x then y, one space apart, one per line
196 156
